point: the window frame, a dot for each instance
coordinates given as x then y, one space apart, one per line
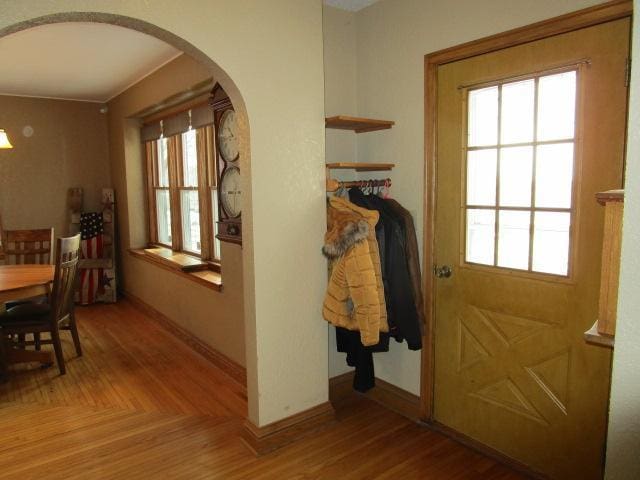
573 211
206 183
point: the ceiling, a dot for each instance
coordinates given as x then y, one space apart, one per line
78 61
351 5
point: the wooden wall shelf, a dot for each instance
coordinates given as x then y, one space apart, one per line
360 167
358 125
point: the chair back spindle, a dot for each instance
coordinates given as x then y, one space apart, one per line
64 282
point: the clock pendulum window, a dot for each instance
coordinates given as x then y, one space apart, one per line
227 167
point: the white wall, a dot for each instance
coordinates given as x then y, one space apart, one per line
339 33
392 38
623 442
268 56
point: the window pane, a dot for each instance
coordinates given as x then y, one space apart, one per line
163 211
481 177
480 236
516 164
554 175
513 240
190 220
214 206
189 159
163 163
483 117
517 112
556 106
551 242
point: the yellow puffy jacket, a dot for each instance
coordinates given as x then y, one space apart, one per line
355 295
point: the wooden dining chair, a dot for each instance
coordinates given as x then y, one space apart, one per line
58 313
28 246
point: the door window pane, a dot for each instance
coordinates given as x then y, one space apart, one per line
480 236
163 211
189 159
190 220
534 158
556 106
163 163
516 164
516 125
554 175
551 242
513 239
483 117
481 177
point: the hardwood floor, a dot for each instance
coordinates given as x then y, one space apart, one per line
141 405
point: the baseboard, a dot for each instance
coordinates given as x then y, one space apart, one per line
384 393
235 371
484 449
262 440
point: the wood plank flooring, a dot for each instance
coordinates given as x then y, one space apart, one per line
141 405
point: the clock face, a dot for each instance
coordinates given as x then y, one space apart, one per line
228 136
230 193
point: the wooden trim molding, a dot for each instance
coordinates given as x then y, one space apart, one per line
389 396
595 15
233 370
262 440
200 273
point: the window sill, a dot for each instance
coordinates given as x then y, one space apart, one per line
181 264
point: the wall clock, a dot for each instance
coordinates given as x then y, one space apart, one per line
227 167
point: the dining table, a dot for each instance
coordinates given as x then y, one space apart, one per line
20 282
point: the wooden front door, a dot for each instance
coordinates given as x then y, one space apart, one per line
525 138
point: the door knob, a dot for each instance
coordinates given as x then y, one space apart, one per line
442 272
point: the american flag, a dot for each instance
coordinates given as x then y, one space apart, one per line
91 234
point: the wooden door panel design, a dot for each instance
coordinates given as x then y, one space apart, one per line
512 369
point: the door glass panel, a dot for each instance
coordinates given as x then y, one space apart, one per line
516 125
189 159
513 239
481 177
556 106
190 220
483 117
534 159
554 175
551 242
163 163
480 236
163 210
515 176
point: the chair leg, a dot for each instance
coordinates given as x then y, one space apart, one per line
3 364
36 340
74 333
57 346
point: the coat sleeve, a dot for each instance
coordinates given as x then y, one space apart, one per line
361 281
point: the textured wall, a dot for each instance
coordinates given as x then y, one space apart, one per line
392 38
623 442
272 69
339 33
68 148
217 318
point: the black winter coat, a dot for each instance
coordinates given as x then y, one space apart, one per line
402 314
